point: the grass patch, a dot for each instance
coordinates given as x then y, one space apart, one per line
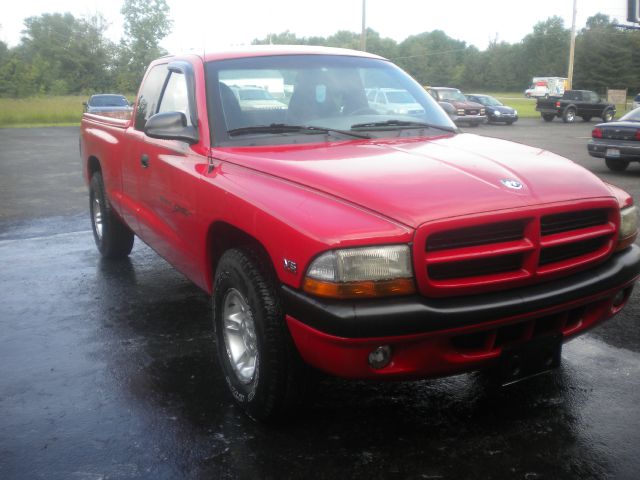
41 111
527 106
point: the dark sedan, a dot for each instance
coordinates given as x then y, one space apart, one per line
496 111
617 142
107 103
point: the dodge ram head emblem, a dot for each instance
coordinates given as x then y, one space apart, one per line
514 184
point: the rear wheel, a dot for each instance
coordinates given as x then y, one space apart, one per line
607 116
569 115
616 164
548 117
259 361
113 238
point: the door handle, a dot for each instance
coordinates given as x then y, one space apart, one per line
144 160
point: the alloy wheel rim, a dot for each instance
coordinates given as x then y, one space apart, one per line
240 336
97 216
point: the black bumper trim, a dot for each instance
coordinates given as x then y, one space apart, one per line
416 314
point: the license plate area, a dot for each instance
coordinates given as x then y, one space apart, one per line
612 152
522 361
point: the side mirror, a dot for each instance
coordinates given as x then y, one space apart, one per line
171 126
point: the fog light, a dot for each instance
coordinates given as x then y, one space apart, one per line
619 299
380 357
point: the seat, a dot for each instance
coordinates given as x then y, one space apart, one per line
314 96
233 115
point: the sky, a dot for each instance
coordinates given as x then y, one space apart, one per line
200 25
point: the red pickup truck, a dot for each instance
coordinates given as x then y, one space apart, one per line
367 244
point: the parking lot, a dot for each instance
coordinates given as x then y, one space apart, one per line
107 370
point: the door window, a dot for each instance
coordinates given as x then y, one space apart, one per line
175 97
147 104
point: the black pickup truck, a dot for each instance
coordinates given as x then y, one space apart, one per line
575 103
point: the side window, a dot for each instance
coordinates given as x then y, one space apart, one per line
175 97
594 97
150 95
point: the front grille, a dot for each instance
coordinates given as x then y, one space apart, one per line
471 112
564 222
474 268
478 235
570 250
515 250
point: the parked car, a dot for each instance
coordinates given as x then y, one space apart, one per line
256 98
107 103
495 110
617 142
393 100
467 112
636 101
576 103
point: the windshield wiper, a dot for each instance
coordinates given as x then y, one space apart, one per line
391 124
284 128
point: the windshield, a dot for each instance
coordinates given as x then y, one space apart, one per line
487 101
452 95
632 116
330 93
108 101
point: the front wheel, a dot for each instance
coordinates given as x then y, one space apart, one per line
616 164
113 238
259 361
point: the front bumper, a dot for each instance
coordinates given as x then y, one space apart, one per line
434 337
471 120
627 151
505 117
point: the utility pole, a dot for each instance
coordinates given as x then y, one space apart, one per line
363 35
572 47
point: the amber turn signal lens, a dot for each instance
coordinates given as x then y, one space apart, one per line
369 289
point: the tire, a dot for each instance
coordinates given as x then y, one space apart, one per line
607 116
569 115
616 164
586 118
259 361
113 238
548 117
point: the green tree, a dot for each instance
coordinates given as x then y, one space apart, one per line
547 49
58 54
146 23
606 57
433 58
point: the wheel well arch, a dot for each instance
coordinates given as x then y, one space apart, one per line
222 236
93 166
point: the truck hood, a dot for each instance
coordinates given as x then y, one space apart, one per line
419 180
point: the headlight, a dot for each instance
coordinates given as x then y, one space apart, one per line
361 272
461 111
482 111
497 113
515 112
628 227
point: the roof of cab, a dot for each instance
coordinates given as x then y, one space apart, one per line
270 50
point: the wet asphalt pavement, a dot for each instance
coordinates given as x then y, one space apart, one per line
107 370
